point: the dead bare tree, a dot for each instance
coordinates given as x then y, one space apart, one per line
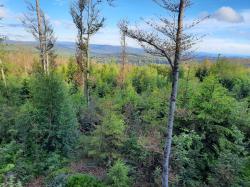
168 39
87 19
2 65
2 51
123 51
39 26
3 74
41 36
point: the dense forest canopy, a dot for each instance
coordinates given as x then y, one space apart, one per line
49 135
55 134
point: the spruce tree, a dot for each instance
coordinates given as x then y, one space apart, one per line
48 121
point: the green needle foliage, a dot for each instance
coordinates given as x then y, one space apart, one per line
48 122
118 175
48 135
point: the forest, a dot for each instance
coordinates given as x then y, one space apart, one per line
72 121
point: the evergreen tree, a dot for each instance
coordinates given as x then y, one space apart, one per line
108 138
118 175
48 121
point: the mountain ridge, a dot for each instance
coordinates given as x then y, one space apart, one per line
99 50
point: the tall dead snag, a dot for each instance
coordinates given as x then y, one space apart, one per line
87 19
41 36
1 62
123 53
2 73
2 38
39 26
167 39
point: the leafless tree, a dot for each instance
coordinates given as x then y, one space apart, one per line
2 51
39 26
2 66
168 39
87 19
123 51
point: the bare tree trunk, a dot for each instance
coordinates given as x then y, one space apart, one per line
172 102
41 35
168 143
123 42
87 91
85 82
3 74
46 55
47 63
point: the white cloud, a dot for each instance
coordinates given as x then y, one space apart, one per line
3 12
246 15
226 30
227 14
224 46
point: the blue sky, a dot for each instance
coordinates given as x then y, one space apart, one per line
227 31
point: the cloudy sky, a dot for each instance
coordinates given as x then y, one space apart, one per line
227 31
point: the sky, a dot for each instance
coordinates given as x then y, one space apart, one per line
227 31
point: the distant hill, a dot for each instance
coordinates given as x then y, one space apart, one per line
105 52
69 48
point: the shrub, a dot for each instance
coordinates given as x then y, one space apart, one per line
108 138
58 178
82 180
118 175
144 79
48 118
11 182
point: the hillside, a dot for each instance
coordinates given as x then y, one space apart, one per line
119 93
104 53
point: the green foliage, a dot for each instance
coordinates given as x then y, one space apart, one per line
241 88
25 91
81 180
11 181
118 175
108 138
226 170
144 79
186 158
203 70
40 130
73 76
213 120
7 121
10 154
58 177
212 102
71 71
45 125
246 172
48 121
213 108
228 72
105 78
